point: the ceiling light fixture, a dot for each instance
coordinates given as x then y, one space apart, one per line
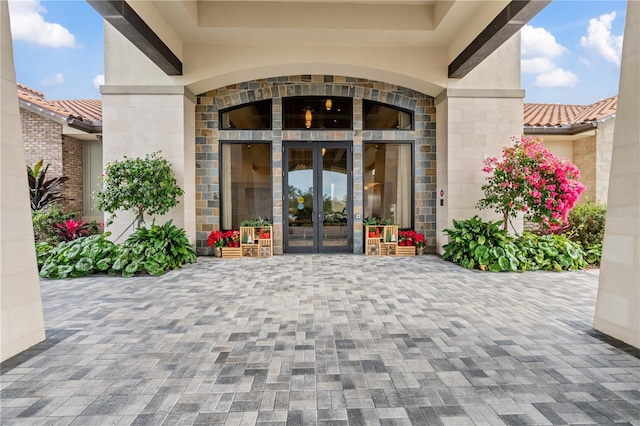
328 104
308 117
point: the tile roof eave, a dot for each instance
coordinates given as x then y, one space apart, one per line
29 106
572 129
85 126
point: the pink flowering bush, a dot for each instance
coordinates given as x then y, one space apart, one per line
530 179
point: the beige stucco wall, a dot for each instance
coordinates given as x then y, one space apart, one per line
584 157
604 136
419 68
468 130
136 124
21 313
618 302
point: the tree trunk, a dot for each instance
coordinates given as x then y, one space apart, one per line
505 222
139 217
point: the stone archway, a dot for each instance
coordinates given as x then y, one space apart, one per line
208 137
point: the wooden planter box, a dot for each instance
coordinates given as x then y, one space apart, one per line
251 245
406 251
231 252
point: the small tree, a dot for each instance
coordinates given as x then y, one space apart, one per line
531 180
140 185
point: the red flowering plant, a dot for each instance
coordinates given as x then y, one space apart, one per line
530 179
232 238
216 239
412 238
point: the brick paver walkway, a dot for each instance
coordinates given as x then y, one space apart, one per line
323 339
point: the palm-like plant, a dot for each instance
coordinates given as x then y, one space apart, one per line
42 191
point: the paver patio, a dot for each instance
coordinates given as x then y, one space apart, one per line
323 339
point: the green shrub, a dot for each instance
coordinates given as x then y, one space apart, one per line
549 252
44 224
154 250
586 227
483 245
78 258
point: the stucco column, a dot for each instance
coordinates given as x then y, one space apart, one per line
20 300
139 120
618 302
472 124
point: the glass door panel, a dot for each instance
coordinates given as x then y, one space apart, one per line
318 186
300 201
335 198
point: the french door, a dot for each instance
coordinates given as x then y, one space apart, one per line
317 195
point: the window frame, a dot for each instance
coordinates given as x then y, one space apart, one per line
221 179
412 189
393 107
316 97
245 105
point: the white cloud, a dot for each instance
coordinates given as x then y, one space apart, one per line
600 41
98 81
54 80
537 65
557 78
27 23
538 42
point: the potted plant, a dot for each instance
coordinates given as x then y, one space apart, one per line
232 238
420 242
216 240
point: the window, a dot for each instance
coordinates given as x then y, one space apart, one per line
384 117
245 183
387 182
317 113
255 116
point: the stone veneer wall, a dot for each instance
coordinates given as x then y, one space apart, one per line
208 137
43 139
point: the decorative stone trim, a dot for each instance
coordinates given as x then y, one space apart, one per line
209 137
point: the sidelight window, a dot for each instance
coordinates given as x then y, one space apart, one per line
388 182
245 183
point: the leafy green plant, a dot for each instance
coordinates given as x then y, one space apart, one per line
377 221
154 250
43 191
44 223
43 250
593 256
474 243
140 185
549 252
77 258
586 226
256 223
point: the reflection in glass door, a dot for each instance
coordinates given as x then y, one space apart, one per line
318 188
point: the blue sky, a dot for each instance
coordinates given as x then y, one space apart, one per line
571 50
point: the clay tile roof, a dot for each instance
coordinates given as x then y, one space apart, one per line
557 115
86 110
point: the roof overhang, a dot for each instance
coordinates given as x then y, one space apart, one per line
470 30
504 26
568 129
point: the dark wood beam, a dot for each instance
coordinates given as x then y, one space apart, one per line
506 24
119 14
